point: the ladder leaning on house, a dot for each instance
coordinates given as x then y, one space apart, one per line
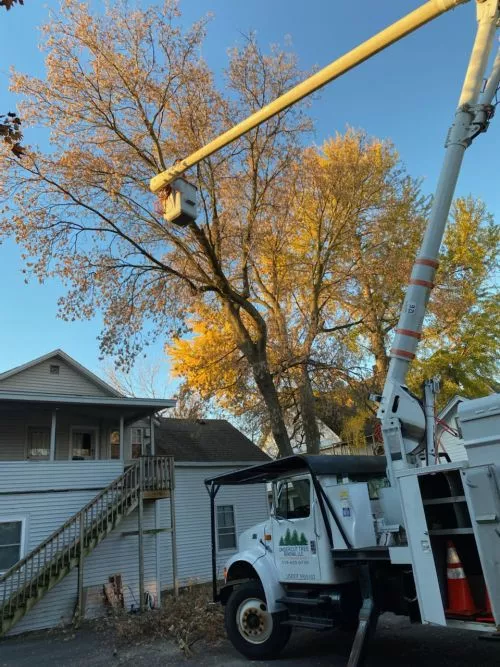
29 580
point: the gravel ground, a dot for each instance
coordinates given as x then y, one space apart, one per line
396 644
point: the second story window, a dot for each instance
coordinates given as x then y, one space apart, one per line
38 442
136 441
114 445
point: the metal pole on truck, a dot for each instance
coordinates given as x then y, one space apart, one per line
403 419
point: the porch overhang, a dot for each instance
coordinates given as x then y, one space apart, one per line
130 408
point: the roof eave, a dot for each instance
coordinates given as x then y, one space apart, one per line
26 397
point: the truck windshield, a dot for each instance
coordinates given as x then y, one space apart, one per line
293 499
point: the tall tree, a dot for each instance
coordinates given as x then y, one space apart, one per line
461 338
312 267
126 94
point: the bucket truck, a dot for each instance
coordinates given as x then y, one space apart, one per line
350 537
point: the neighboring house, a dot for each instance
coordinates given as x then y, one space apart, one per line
204 448
447 431
328 440
70 476
65 435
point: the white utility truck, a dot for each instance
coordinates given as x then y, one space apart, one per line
350 537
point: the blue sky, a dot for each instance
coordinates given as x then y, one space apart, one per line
407 93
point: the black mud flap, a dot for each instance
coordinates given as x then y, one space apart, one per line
368 617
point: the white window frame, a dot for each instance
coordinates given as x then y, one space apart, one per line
94 429
23 519
226 549
109 444
141 430
39 427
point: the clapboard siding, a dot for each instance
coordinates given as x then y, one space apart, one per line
192 517
54 475
14 432
453 446
117 554
39 378
13 437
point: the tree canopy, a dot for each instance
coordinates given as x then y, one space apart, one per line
281 297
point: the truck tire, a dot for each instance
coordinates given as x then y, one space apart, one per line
252 630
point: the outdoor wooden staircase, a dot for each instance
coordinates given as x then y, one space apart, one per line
29 580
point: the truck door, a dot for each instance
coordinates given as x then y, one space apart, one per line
293 530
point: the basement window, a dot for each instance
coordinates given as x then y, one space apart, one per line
54 369
226 527
11 540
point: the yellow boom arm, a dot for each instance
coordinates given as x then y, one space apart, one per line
378 42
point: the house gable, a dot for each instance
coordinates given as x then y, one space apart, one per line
55 373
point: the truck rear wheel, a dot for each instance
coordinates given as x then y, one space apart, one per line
253 631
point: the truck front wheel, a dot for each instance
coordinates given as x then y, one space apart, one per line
253 631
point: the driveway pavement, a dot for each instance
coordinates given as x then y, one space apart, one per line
396 644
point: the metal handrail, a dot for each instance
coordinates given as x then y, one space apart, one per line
64 545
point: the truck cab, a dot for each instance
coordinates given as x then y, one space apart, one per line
300 568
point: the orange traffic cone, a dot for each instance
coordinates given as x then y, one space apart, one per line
488 613
460 602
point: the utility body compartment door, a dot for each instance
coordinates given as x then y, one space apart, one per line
424 567
481 486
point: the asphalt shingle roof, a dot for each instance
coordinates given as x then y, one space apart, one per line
205 440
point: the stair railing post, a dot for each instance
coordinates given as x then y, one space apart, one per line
141 536
171 474
81 556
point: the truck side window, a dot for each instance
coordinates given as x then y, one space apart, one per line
293 499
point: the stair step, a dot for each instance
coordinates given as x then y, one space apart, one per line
312 625
308 602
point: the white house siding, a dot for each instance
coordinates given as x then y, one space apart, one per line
192 515
14 433
454 447
18 476
44 513
39 378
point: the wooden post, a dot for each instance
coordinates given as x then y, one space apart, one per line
53 424
158 553
152 434
141 535
122 438
81 556
172 526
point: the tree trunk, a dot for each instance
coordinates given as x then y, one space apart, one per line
377 345
265 383
308 412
